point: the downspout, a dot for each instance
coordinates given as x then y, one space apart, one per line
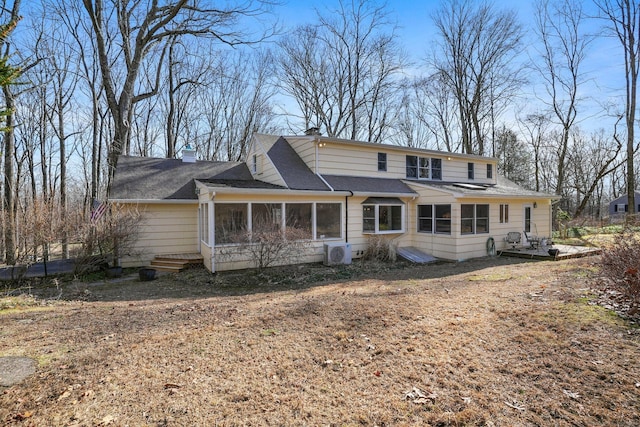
346 216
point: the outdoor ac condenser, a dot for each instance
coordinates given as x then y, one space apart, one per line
337 253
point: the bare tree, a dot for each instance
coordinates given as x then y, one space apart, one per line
474 56
564 45
237 99
8 74
624 21
342 72
130 32
597 157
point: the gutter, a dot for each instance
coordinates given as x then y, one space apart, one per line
157 201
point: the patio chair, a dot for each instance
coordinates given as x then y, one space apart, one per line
513 238
534 241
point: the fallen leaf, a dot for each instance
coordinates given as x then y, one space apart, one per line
515 405
107 420
417 396
377 373
172 385
571 394
23 416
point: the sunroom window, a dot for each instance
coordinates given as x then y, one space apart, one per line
474 219
383 215
241 222
230 222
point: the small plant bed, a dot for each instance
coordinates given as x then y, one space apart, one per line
494 341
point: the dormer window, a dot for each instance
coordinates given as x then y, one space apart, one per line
489 171
423 168
470 170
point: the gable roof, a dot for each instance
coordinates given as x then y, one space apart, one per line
293 169
146 178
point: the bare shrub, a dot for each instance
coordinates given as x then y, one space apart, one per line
268 245
621 265
112 236
380 249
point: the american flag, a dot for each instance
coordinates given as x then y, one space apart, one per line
97 210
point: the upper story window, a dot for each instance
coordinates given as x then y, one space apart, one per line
382 162
423 168
489 171
470 170
254 163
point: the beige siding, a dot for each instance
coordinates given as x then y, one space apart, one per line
334 159
337 159
165 229
305 147
205 251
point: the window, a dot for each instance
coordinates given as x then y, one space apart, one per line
204 222
412 167
467 219
470 171
266 216
382 216
622 208
425 218
504 214
423 168
443 219
382 162
328 220
299 218
231 222
489 171
232 225
474 219
254 163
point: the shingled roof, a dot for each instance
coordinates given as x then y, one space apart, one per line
146 178
361 184
293 169
503 187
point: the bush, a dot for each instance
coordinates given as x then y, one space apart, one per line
621 265
380 249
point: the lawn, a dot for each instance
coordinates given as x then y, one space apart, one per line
492 342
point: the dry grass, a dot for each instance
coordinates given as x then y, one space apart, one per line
487 342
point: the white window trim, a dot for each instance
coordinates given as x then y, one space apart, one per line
314 236
377 219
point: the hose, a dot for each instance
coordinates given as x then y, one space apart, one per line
491 247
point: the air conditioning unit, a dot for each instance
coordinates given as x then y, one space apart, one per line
337 253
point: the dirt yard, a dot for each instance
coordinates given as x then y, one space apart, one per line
493 342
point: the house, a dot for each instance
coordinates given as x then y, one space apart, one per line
340 192
619 206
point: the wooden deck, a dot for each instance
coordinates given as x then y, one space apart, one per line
541 253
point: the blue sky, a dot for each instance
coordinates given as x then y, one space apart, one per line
603 68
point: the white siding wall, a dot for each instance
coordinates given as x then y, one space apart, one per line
165 229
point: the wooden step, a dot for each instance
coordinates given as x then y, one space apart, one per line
175 262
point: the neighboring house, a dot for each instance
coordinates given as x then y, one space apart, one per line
338 191
619 206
